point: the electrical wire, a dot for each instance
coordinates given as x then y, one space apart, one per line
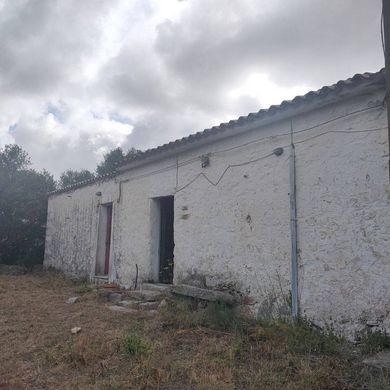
224 172
194 159
342 132
298 131
251 161
271 154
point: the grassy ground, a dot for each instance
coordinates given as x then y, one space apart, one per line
181 348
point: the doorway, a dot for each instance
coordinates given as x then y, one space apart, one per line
167 243
104 240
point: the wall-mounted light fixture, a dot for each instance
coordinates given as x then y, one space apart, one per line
278 151
205 160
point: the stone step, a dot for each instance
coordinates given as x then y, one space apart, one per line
99 280
145 295
112 295
130 304
156 287
149 305
204 294
123 309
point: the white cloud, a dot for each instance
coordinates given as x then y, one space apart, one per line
80 77
266 92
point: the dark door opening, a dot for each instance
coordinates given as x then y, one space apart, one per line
166 240
108 240
104 240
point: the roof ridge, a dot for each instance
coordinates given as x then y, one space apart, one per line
321 93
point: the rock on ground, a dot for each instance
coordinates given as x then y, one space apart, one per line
75 330
379 360
72 300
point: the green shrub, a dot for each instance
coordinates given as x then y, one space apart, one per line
83 288
182 313
301 336
219 316
186 313
304 337
373 341
135 345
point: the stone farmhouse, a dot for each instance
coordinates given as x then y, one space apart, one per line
287 208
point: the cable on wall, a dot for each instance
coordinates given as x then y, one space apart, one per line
299 131
224 172
174 166
177 165
202 174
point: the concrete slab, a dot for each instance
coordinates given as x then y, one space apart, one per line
144 295
204 294
156 287
131 304
122 309
115 297
149 305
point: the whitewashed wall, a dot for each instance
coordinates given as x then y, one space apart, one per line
236 234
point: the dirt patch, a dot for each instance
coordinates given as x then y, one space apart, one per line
38 350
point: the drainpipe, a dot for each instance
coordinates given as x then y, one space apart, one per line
293 231
385 30
120 189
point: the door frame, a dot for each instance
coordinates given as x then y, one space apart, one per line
166 239
155 232
104 240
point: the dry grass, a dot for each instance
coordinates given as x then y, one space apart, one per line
176 350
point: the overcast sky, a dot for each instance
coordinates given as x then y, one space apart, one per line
80 77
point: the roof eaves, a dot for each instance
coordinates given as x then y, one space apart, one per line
321 94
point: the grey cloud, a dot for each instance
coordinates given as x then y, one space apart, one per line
160 126
64 152
300 41
169 80
43 43
134 78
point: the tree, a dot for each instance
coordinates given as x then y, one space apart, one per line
23 208
71 177
113 158
13 158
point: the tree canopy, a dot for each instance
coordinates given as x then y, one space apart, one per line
70 177
108 164
23 201
113 158
23 207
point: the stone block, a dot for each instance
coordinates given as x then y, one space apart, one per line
204 294
144 295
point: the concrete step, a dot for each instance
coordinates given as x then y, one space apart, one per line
204 294
131 304
149 305
112 295
145 295
156 287
99 280
123 309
